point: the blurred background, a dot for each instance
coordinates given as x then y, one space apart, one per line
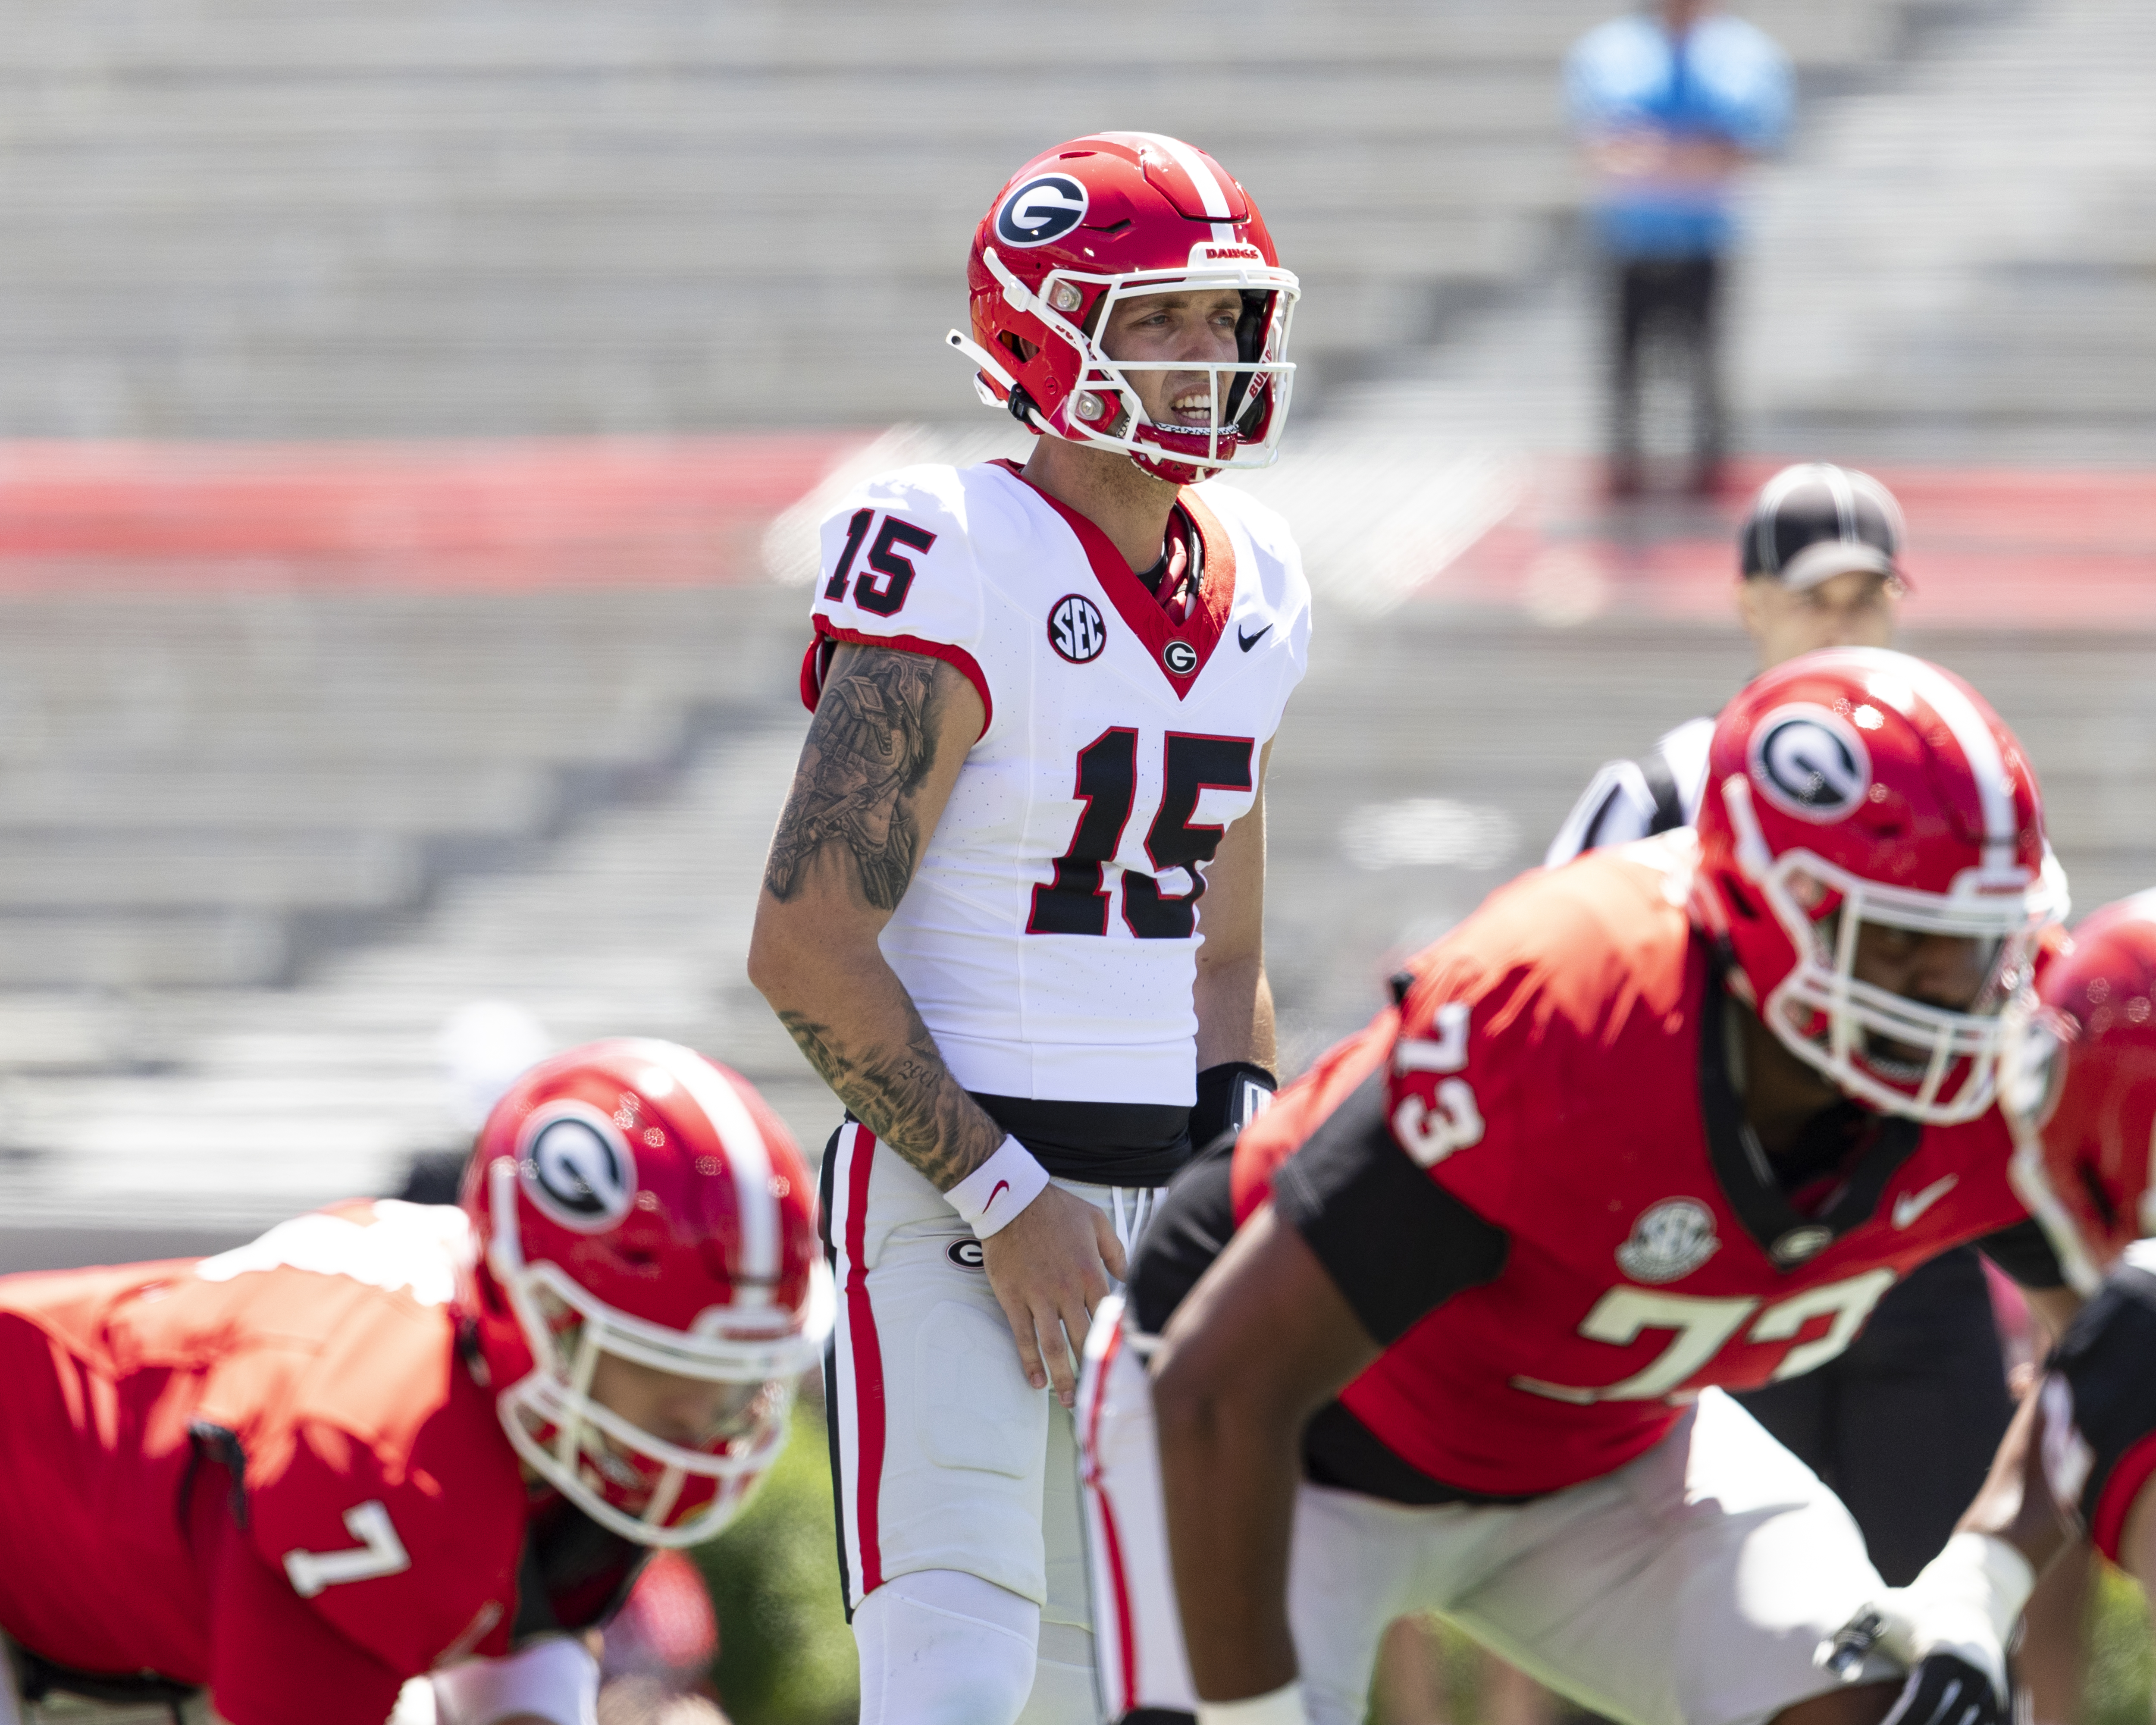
412 417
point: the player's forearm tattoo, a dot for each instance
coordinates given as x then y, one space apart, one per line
906 1097
870 745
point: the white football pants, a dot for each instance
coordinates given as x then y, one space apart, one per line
947 1463
1690 1587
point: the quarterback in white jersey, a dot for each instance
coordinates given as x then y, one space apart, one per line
1012 909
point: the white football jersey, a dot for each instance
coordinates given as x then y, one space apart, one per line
1049 937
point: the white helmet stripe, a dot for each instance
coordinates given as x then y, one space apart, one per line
746 1155
1980 747
1768 506
1211 193
1844 499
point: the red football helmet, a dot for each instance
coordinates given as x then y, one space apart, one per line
1858 788
2078 1085
639 1210
1097 220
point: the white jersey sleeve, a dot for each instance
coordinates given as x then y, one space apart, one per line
897 569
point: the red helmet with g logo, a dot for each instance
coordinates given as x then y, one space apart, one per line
1095 220
1858 789
643 1219
2078 1085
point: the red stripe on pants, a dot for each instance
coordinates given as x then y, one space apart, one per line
867 1363
1127 1664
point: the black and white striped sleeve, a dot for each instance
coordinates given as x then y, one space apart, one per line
1615 809
1627 800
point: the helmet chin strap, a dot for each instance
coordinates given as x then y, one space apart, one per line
983 360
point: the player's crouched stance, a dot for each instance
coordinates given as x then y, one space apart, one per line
1668 1120
387 1440
2079 1463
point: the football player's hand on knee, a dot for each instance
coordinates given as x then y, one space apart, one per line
1050 1266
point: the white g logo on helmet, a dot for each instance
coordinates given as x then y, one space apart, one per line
1045 207
1810 762
576 1166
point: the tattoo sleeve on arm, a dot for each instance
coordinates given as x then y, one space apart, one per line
909 1100
852 827
871 743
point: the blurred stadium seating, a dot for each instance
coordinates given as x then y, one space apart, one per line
306 742
387 398
259 218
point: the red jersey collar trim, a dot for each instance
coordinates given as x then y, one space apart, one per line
1138 608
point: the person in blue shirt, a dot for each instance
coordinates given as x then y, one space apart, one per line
1668 104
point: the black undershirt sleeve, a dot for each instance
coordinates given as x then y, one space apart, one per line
2024 1254
1395 1243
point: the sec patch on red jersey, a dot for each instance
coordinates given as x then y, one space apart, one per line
1669 1241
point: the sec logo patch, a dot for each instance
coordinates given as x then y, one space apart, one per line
1669 1240
1180 657
1076 630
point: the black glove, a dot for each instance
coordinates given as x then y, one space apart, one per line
1229 1097
1944 1690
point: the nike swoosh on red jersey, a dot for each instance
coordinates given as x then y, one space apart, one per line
1001 1186
1910 1205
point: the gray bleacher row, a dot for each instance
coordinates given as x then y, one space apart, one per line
209 1111
1961 266
207 790
240 219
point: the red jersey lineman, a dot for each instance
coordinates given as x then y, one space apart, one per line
2078 1464
389 1439
1665 1120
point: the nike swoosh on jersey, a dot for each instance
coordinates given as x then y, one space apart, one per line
1247 642
1910 1205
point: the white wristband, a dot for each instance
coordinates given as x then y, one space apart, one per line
1964 1603
555 1679
990 1198
1283 1707
1984 1574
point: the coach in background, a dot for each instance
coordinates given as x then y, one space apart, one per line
1668 104
1903 1426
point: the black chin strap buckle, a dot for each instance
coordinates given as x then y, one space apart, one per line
1021 406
